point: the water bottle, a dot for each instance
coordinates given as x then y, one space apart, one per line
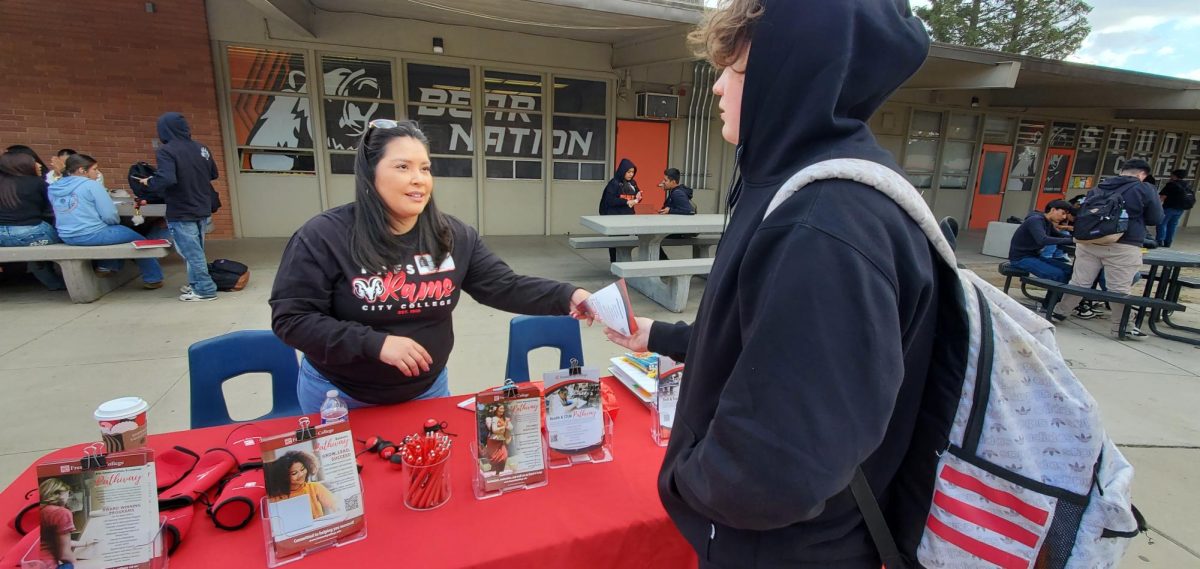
334 409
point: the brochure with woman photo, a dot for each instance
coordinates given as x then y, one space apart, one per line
98 517
314 495
509 438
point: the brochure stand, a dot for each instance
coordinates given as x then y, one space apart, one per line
578 429
603 453
269 540
158 560
509 426
666 395
290 535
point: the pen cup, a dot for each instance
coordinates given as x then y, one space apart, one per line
427 486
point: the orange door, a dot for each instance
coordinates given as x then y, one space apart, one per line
646 143
1056 174
989 187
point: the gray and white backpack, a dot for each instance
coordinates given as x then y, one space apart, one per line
1020 472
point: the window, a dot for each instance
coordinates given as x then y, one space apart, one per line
356 91
1062 135
512 125
1114 154
998 130
270 107
439 99
1026 162
1167 155
921 152
1087 157
580 129
959 151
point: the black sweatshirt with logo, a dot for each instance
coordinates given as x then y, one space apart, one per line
338 314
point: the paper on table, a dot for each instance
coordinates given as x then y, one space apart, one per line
611 305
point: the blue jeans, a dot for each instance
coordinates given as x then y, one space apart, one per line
1165 233
113 235
311 387
33 236
189 243
1052 269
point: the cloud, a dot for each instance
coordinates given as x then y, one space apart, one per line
1165 50
1136 23
1188 23
1194 75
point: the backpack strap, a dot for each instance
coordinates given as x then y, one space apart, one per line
883 179
876 524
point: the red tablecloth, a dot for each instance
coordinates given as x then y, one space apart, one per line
590 515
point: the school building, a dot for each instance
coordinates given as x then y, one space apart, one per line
529 105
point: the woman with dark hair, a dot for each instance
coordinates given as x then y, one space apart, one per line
366 290
25 213
620 195
295 474
85 215
499 435
42 169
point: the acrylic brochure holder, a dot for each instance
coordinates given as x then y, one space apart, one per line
270 520
158 559
578 429
273 560
514 453
666 395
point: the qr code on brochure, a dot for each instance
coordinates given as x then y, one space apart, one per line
351 503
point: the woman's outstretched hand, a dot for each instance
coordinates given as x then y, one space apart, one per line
638 341
579 309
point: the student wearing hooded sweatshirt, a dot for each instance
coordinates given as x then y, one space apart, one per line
815 334
1120 261
84 214
185 173
620 195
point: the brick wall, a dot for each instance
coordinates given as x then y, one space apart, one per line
95 75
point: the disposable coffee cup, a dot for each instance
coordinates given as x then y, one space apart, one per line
123 423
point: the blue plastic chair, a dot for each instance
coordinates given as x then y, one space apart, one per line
528 333
214 361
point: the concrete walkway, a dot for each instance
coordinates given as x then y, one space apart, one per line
58 360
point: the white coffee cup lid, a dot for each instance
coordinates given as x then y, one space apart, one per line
121 408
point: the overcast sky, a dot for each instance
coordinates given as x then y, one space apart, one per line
1152 36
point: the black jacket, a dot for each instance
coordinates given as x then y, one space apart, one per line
1034 233
326 306
679 201
185 172
33 207
1175 193
1141 204
616 193
814 337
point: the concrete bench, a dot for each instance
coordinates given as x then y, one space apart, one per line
76 262
665 282
701 244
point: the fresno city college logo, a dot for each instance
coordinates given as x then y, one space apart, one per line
394 286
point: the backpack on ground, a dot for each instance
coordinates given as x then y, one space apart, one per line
229 275
142 191
1102 218
1009 465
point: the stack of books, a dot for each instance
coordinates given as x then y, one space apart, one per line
639 372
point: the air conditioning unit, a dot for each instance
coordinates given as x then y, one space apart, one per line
657 106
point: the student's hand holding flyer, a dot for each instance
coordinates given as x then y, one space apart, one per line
635 342
579 307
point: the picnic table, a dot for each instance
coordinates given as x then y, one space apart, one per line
665 282
1165 268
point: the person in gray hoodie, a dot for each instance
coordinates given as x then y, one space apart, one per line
85 215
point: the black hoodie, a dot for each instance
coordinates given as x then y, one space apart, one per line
813 339
185 171
616 193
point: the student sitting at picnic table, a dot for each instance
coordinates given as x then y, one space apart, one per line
367 290
86 215
1036 233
